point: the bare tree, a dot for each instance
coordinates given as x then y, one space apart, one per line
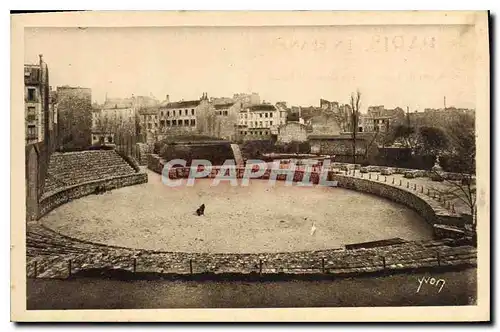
462 158
354 117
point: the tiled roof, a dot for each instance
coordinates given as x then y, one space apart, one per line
181 104
223 106
262 107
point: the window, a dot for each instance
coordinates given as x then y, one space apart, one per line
174 123
225 113
150 126
168 123
260 133
270 123
31 114
162 123
266 123
266 115
32 132
186 122
246 116
192 111
260 123
94 137
161 113
360 129
179 122
173 113
168 113
260 114
193 122
31 94
110 139
185 112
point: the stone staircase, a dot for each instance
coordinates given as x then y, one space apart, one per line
237 154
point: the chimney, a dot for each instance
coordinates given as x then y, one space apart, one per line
167 98
41 58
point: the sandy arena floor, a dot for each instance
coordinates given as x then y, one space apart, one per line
257 218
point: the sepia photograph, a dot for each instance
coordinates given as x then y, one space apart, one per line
277 161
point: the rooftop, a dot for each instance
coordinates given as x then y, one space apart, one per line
181 104
223 106
262 107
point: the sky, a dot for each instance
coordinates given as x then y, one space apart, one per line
405 66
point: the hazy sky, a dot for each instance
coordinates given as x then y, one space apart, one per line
402 66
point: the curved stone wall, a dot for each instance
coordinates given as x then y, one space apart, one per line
53 199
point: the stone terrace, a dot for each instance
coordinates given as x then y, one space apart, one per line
71 168
52 255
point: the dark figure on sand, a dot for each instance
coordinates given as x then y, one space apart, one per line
201 210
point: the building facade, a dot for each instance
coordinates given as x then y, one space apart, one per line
38 114
292 131
380 119
260 122
74 110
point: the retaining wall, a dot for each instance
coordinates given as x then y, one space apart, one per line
53 199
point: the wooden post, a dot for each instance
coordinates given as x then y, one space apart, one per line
385 178
415 188
370 176
260 266
408 184
377 177
191 266
69 268
135 264
393 180
383 261
428 191
36 269
439 258
422 190
323 265
361 175
400 182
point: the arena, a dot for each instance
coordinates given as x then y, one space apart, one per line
254 219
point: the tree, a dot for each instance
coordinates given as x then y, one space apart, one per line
433 140
461 156
403 133
354 117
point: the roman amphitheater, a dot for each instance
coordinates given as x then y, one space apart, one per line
100 212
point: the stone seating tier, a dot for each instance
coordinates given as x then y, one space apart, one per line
66 169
